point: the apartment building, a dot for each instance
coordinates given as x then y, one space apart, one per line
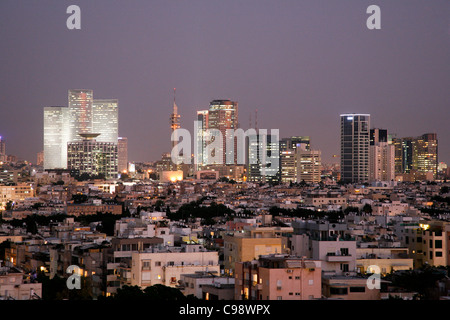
389 208
429 243
278 277
348 288
118 266
254 242
14 193
193 284
89 209
323 199
14 285
166 267
387 259
327 242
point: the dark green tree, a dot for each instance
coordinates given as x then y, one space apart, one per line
367 208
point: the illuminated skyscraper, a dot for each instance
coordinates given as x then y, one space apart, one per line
80 113
105 119
417 155
309 165
425 155
56 136
355 141
82 116
288 165
201 139
214 124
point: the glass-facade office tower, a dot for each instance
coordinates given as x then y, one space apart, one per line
93 157
416 155
221 116
80 113
105 119
355 139
82 116
56 136
201 139
425 155
263 158
403 154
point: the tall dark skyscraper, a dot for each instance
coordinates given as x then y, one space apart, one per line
355 140
264 158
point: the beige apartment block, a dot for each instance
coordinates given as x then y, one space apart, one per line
248 246
13 285
18 192
429 243
386 259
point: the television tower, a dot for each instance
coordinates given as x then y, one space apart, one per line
174 123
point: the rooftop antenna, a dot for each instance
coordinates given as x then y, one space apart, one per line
256 119
175 108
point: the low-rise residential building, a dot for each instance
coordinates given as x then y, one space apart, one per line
194 284
252 243
166 266
15 285
348 288
278 277
84 209
388 260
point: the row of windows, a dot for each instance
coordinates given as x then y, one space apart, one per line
344 291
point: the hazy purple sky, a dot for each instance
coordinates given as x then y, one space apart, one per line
300 63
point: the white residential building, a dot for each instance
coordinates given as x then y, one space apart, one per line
166 267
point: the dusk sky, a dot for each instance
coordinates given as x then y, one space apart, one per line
301 63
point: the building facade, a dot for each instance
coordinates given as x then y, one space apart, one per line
381 156
105 119
278 277
122 154
80 113
355 148
56 136
309 165
92 157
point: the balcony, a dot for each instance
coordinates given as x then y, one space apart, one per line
338 258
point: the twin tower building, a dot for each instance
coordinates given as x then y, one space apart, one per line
84 136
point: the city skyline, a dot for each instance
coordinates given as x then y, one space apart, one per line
300 65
